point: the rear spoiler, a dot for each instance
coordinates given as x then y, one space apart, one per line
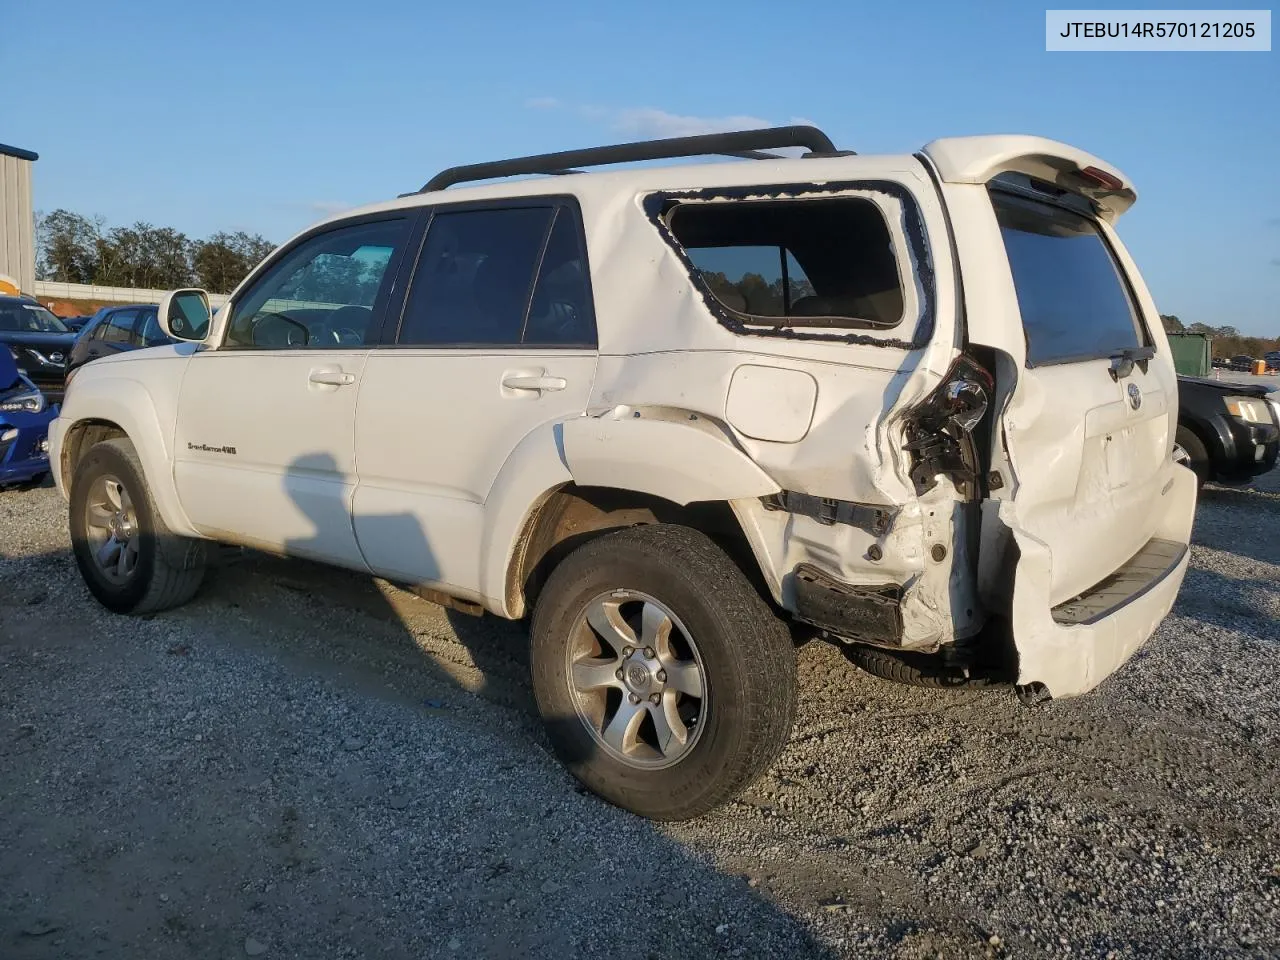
979 159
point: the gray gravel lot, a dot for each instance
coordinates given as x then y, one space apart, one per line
303 763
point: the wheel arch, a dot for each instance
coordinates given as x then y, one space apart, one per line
122 408
78 438
572 515
1206 431
584 476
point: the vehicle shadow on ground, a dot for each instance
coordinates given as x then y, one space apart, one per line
486 841
375 648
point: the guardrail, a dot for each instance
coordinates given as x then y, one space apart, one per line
49 290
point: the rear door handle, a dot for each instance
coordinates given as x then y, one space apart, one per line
332 378
540 383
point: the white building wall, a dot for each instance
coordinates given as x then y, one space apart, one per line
17 222
51 290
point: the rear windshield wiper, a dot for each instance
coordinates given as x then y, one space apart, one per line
1122 361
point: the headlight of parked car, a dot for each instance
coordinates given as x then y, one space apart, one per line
27 398
1248 409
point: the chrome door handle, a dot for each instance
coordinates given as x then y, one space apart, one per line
332 378
534 383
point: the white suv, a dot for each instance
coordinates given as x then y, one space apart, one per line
923 404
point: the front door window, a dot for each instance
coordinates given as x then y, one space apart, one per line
328 292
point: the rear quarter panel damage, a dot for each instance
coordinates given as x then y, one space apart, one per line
676 349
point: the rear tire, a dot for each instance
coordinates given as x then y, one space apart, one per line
131 562
1197 456
720 639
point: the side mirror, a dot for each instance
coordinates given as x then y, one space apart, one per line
184 315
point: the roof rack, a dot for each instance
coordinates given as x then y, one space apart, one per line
739 143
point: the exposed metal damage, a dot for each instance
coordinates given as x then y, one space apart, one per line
940 431
873 519
868 613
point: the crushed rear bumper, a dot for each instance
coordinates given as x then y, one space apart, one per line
1069 649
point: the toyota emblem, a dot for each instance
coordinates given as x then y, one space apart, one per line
1135 396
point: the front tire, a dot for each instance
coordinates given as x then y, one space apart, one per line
1189 450
666 683
131 562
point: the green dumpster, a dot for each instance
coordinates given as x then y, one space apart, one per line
1191 354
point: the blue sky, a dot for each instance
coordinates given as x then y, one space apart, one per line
266 116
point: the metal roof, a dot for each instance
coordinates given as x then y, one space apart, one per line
18 152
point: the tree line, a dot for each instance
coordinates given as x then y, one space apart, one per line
761 297
71 248
1224 341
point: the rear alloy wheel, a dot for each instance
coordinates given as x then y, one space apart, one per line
666 683
639 689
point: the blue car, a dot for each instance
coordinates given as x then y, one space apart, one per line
24 426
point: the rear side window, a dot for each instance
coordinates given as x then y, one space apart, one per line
827 262
500 277
1074 301
151 333
560 313
119 326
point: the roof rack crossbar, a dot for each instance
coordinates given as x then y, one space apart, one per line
734 143
753 155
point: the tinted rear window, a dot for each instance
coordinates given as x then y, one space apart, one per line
1074 301
502 277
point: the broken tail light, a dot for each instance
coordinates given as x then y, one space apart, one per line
940 430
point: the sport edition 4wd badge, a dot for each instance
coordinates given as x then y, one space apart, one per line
205 448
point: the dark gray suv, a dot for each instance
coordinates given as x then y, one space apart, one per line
114 330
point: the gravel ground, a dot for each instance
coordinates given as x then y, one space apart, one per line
302 763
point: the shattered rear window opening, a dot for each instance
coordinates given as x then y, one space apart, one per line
814 262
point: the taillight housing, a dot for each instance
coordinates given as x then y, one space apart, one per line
940 430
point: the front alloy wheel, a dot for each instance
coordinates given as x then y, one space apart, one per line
111 529
129 559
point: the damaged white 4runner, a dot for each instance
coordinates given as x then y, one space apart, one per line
921 404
